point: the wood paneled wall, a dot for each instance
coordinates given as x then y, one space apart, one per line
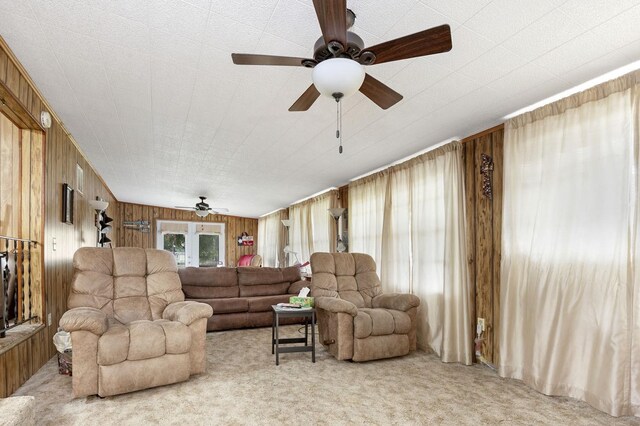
484 224
60 240
343 196
234 226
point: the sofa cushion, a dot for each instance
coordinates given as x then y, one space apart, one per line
380 322
227 306
209 283
130 301
259 276
263 303
291 274
142 340
264 290
93 290
163 288
177 336
207 292
89 259
113 345
160 261
146 340
129 261
208 277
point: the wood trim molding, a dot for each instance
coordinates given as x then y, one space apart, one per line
11 106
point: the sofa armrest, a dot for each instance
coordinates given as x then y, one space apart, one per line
397 301
295 287
187 312
335 305
87 319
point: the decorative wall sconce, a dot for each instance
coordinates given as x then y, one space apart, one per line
337 213
98 205
104 228
102 220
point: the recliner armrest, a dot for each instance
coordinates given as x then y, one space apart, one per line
187 312
87 319
335 305
397 301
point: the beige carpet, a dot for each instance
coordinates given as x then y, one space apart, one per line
244 386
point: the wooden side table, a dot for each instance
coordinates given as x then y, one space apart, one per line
276 341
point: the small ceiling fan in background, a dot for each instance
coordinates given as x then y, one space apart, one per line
202 208
339 56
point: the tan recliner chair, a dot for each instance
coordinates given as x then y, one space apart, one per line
130 326
355 320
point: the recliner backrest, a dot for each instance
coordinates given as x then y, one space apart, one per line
349 276
126 283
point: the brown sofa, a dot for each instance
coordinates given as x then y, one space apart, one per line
241 297
130 326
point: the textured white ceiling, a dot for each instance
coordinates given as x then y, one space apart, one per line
148 89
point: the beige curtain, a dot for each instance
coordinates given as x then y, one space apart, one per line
569 302
411 219
367 198
271 238
311 227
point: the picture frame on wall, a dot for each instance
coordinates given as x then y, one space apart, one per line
79 179
67 204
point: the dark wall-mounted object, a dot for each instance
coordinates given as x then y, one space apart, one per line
486 170
67 204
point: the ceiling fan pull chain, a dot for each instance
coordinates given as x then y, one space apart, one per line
339 122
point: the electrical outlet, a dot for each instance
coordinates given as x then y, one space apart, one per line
49 319
481 323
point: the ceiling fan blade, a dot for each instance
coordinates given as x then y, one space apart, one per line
219 210
380 93
251 59
332 16
307 99
427 42
183 208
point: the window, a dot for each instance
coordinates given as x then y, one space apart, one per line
193 243
176 244
209 249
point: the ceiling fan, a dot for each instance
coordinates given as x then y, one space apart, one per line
202 208
339 56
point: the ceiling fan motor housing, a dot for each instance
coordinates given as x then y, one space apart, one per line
202 205
335 49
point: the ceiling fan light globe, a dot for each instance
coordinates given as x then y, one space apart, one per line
202 213
338 75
